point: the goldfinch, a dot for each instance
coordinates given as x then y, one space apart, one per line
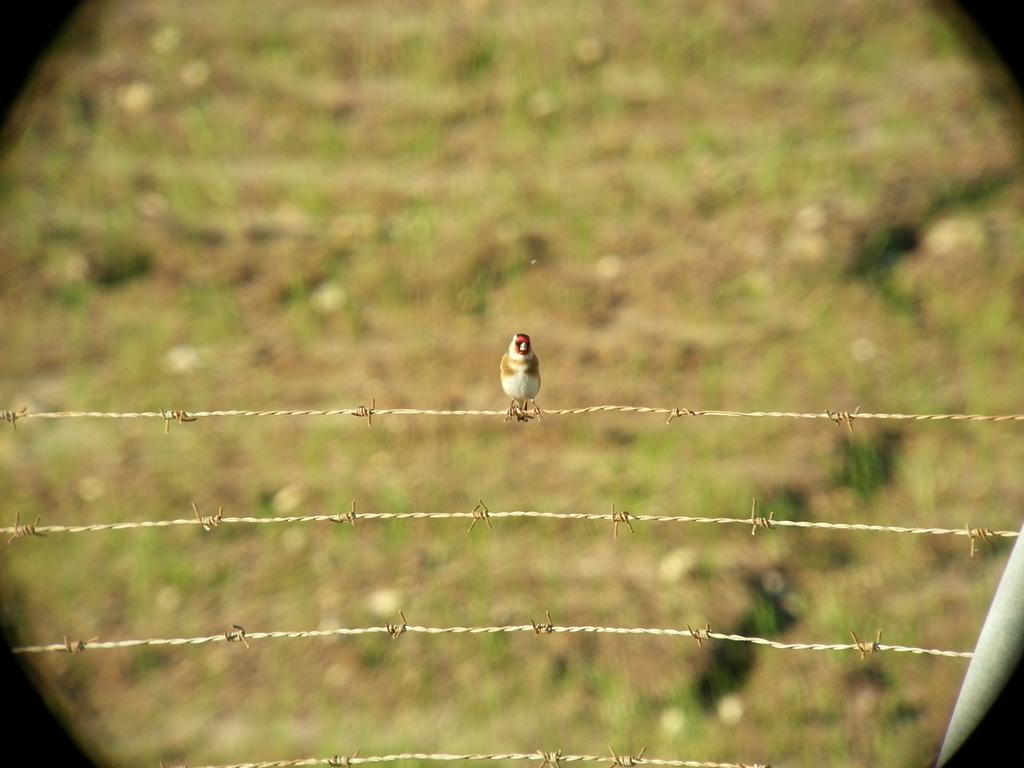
520 377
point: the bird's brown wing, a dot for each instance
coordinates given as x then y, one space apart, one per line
533 368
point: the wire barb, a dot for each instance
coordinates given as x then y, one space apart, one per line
366 412
550 759
11 417
985 534
209 522
626 761
396 630
543 629
844 417
480 512
700 635
677 412
77 646
236 635
21 531
866 648
760 522
178 415
342 760
620 517
348 517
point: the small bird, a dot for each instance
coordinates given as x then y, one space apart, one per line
520 377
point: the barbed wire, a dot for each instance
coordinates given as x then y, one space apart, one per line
238 634
482 513
546 759
369 411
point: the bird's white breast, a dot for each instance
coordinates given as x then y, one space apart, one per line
519 384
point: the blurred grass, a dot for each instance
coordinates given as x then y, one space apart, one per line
792 207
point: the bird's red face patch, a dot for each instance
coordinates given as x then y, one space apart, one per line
522 343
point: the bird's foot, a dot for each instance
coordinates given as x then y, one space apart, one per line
516 410
537 412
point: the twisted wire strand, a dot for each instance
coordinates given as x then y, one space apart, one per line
528 513
846 417
552 759
395 630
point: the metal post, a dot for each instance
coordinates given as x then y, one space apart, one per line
999 650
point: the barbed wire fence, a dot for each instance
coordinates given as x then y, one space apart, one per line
546 759
367 412
481 513
238 634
